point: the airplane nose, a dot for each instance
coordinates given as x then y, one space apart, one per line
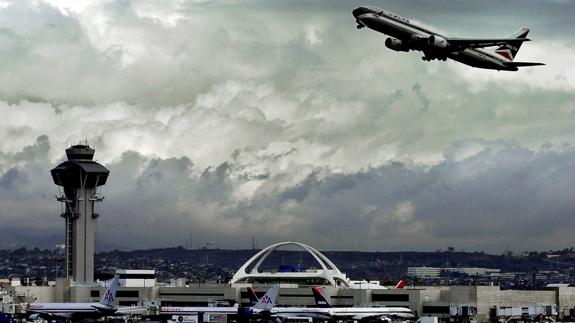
356 12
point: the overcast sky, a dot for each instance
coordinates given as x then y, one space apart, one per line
280 120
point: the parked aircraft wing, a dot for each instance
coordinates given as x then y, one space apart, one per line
369 317
403 315
127 310
49 316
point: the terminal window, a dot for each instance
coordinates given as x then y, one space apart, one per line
127 293
390 297
436 309
137 276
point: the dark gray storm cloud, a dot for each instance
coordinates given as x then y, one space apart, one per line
278 119
500 195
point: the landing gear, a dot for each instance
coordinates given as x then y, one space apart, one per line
429 58
359 26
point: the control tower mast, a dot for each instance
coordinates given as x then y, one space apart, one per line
80 177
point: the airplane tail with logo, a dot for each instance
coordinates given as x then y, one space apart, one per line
110 294
511 48
320 299
400 284
269 299
253 297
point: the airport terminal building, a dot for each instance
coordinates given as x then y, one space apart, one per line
448 303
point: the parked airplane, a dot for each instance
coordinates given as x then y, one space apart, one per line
262 305
282 313
362 313
325 311
77 311
407 35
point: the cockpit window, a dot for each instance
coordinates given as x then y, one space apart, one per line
373 9
366 9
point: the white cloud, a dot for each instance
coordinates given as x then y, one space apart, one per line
67 7
277 115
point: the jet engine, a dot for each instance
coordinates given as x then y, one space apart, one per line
245 312
396 45
34 317
437 41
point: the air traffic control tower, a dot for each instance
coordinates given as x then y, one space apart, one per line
80 178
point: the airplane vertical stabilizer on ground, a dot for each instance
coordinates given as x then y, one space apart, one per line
253 297
110 294
268 301
320 299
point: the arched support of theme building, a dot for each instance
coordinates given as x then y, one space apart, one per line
328 272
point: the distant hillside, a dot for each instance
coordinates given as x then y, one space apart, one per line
219 265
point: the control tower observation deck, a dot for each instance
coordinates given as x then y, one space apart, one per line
80 178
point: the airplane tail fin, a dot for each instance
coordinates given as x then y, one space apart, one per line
252 296
320 299
511 48
269 299
400 284
110 294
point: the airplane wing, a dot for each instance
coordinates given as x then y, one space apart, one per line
368 317
403 316
376 316
462 43
523 64
320 315
127 310
48 316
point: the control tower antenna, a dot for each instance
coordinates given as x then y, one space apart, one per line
80 177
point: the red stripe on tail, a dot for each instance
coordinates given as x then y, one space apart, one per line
400 285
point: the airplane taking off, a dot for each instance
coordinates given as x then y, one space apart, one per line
407 35
77 311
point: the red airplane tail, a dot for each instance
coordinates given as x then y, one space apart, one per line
320 299
252 296
400 284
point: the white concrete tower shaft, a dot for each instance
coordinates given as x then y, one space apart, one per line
80 177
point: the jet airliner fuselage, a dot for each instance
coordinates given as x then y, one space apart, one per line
77 311
407 35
